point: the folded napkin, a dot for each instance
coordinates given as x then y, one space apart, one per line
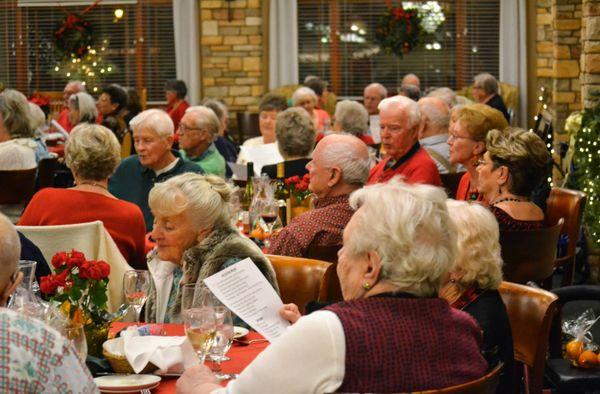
169 354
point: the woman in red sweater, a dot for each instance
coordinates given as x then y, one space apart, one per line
92 153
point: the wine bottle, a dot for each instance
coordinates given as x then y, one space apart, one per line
246 200
282 194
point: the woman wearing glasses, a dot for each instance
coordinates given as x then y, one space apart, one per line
515 163
469 126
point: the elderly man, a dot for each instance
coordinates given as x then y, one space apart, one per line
411 79
372 96
154 162
351 118
340 165
399 119
198 130
36 358
433 133
72 87
485 91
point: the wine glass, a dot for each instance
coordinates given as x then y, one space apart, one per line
223 340
76 336
269 210
136 284
200 326
196 296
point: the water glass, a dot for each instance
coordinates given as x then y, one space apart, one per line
136 284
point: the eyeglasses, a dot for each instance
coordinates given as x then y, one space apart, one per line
184 129
452 137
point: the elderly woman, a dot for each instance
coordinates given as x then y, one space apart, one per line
486 91
306 98
516 162
392 334
19 149
352 118
295 141
473 283
111 102
175 92
270 106
82 109
194 238
469 126
92 154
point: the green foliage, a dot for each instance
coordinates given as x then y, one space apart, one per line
398 30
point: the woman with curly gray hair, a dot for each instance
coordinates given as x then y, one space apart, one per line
296 135
92 154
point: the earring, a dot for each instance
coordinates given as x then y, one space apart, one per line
499 189
367 286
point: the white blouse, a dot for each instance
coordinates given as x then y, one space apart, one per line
162 275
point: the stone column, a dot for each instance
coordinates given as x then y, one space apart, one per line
590 56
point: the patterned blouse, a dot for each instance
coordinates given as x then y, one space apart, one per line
35 358
507 222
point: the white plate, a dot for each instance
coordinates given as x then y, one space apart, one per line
127 391
126 383
239 332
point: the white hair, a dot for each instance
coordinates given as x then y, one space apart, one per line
487 82
86 105
409 107
439 118
351 155
154 119
303 92
409 227
10 247
352 116
205 118
79 86
380 89
445 94
38 117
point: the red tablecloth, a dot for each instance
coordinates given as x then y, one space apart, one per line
240 355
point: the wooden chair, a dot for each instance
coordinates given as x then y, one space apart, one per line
301 280
484 385
567 204
247 124
45 175
329 254
450 182
530 312
17 186
559 371
126 145
529 255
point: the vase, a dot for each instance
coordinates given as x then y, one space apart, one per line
299 207
96 334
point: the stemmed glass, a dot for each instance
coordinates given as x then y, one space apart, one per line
223 340
200 325
269 209
136 284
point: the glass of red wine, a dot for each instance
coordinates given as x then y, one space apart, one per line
269 210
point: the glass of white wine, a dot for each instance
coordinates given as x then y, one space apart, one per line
136 284
200 326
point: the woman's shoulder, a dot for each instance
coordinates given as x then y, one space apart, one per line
507 222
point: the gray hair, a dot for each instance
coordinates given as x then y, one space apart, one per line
205 118
203 198
86 106
14 109
487 82
440 119
445 94
154 119
352 116
295 133
380 89
409 227
411 91
217 106
38 117
10 248
303 92
409 107
79 86
92 151
343 152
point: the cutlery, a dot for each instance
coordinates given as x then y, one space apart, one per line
250 342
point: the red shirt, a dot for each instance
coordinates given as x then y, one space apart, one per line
123 220
177 112
63 120
465 192
415 167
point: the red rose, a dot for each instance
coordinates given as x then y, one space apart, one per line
104 268
59 259
61 279
47 285
95 270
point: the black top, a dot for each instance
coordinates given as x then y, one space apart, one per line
497 102
489 311
29 251
295 167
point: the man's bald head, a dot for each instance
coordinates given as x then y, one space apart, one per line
10 251
435 117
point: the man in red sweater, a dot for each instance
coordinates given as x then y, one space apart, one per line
71 88
399 120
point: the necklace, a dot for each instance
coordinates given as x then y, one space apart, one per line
508 199
92 184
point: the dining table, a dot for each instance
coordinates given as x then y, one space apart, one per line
242 352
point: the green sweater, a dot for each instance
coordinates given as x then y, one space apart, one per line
210 160
133 182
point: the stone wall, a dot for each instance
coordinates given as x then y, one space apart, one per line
590 57
232 53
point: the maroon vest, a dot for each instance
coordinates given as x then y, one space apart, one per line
407 344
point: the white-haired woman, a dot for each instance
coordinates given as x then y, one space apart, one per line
474 279
352 118
307 98
194 239
82 109
392 333
92 154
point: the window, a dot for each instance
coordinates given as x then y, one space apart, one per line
463 45
138 47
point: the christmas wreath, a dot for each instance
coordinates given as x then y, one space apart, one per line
74 35
398 29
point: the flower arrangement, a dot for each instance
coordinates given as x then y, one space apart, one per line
398 29
42 101
298 187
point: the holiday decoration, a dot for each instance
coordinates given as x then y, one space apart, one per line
398 29
74 35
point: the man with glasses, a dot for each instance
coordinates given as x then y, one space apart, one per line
35 357
198 129
399 120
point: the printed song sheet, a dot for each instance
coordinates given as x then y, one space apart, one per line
248 294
